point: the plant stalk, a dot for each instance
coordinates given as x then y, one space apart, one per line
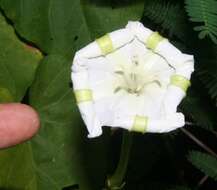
202 145
198 142
116 181
203 180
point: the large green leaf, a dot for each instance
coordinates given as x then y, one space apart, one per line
56 157
55 25
51 24
61 154
18 64
16 166
105 16
59 148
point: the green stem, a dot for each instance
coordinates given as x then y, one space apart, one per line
115 182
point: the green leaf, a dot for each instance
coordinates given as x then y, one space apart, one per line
62 156
18 63
204 162
203 12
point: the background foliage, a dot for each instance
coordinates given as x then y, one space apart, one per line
37 42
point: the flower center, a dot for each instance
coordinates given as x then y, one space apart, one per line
134 77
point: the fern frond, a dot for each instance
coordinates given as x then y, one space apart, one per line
170 16
204 12
204 162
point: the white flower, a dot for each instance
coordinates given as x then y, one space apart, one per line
131 78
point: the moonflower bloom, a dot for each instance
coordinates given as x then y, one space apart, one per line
132 78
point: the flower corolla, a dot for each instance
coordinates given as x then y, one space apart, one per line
131 78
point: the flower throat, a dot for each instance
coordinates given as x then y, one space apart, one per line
134 77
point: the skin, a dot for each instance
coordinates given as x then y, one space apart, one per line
18 123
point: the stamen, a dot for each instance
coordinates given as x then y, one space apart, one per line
135 77
119 72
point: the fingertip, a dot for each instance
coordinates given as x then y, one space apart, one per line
18 123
